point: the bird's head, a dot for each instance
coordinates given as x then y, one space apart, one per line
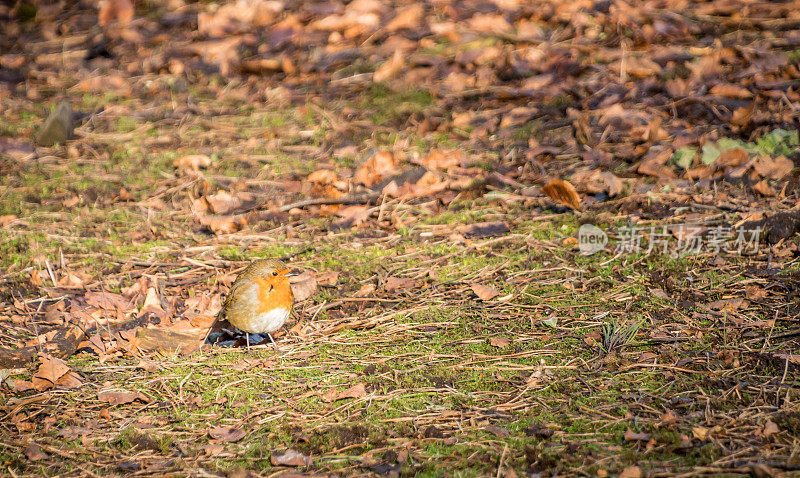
271 270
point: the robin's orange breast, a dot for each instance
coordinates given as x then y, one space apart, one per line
273 293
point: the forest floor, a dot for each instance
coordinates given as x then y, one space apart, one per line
407 158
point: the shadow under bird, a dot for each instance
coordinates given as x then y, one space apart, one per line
260 299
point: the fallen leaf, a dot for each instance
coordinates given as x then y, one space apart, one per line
329 279
34 452
303 285
499 342
7 219
381 165
595 181
630 435
770 428
365 290
192 163
356 391
407 18
728 90
442 159
223 224
108 301
563 192
119 10
743 115
51 369
484 292
289 458
498 431
227 434
120 397
631 472
773 168
480 230
763 188
152 303
395 283
390 68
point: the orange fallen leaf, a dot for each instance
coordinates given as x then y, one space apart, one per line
7 219
119 10
223 224
563 192
390 68
631 472
192 162
484 292
728 90
763 188
442 159
407 18
356 391
51 369
376 168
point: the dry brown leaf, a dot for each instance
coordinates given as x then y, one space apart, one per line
770 428
290 458
563 192
356 391
51 369
192 163
728 90
773 168
223 224
442 159
390 68
394 283
489 23
329 279
120 397
227 434
303 285
106 83
484 292
34 453
500 342
732 158
365 290
654 163
7 219
630 435
119 10
381 165
742 116
595 181
763 188
407 18
631 472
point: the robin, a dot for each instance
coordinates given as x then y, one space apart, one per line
260 299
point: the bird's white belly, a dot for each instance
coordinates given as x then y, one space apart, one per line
271 321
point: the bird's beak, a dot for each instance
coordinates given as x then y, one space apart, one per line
292 273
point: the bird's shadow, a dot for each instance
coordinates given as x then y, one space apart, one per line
223 334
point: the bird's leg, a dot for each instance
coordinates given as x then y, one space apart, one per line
273 341
247 337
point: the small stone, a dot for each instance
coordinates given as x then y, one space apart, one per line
58 126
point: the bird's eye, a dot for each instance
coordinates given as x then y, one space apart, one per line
274 273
